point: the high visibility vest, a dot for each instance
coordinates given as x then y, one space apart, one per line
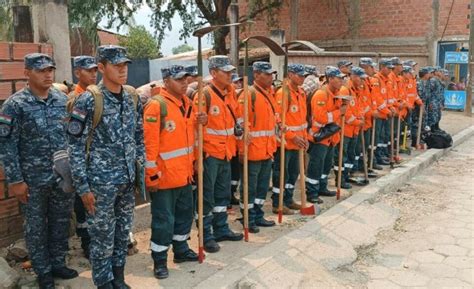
379 93
262 123
169 150
219 139
296 122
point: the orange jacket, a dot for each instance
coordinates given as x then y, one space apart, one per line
78 90
296 122
412 92
353 113
219 139
366 104
169 150
325 110
379 93
262 122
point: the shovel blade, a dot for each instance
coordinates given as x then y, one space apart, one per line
308 211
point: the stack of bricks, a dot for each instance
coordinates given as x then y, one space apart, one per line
12 77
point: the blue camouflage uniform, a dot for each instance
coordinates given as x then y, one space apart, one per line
423 88
108 170
82 62
31 131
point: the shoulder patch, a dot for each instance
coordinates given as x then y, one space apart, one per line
321 103
75 127
5 130
5 119
78 114
150 119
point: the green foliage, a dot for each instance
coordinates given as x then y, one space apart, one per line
182 48
6 24
139 43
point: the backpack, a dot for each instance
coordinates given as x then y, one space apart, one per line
163 109
437 139
98 107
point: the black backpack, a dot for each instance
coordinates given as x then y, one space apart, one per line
437 139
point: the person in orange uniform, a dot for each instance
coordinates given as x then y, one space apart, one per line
262 142
369 67
85 70
220 147
355 120
400 103
381 88
296 138
326 112
409 83
169 127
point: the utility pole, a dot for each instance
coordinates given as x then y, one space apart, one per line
234 33
470 82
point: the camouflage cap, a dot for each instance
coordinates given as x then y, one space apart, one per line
112 53
445 72
407 68
332 71
367 61
386 62
437 68
174 71
311 69
84 62
343 62
263 66
409 62
396 61
425 70
236 77
39 61
430 69
220 62
192 70
297 68
355 70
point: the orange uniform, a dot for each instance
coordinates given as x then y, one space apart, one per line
219 139
78 90
412 92
366 104
262 122
353 114
325 110
296 122
169 149
379 93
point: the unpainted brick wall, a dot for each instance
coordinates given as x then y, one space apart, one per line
12 79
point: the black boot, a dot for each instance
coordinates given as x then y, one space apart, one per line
119 279
64 273
107 285
46 281
160 270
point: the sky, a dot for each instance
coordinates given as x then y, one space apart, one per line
171 39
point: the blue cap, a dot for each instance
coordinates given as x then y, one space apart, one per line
332 71
263 66
367 61
424 70
112 53
355 70
386 62
236 77
192 70
297 68
84 62
437 68
174 71
407 68
343 62
220 62
430 69
311 69
38 61
409 62
445 72
396 61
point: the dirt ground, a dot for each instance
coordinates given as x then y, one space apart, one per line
187 275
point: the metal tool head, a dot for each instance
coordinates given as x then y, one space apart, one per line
344 97
272 45
304 43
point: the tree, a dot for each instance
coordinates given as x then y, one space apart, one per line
139 43
193 13
182 48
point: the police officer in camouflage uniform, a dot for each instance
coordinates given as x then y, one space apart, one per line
32 129
104 171
423 88
437 96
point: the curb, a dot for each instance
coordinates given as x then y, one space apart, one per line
230 276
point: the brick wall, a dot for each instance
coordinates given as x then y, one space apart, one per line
323 20
12 80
